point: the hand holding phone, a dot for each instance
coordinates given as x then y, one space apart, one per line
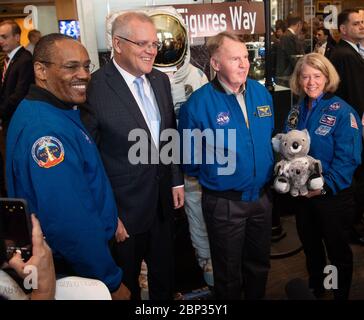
15 227
42 260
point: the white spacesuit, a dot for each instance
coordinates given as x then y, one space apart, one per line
185 78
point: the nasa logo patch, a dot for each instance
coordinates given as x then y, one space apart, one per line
223 118
335 106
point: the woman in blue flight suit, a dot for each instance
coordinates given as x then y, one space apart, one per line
323 216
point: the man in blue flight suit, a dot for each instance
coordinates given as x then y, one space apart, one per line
239 113
55 166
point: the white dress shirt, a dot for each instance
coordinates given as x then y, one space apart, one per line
129 79
12 53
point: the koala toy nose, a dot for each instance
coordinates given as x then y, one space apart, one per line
295 145
298 171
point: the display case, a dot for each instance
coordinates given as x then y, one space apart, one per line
256 51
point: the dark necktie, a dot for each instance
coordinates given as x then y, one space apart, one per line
6 63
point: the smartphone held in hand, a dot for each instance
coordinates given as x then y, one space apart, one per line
15 227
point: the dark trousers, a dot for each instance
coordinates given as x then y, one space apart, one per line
239 235
324 222
156 247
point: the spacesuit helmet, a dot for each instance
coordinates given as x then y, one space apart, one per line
173 36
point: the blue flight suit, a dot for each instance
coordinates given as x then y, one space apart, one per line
211 108
323 221
335 130
53 164
233 163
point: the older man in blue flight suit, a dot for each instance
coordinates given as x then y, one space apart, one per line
55 166
235 203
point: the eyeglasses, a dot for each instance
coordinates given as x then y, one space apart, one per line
73 67
143 44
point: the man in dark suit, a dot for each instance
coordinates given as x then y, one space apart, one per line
16 77
290 47
350 67
17 73
127 94
324 42
348 61
361 42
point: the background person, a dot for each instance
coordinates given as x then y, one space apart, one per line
289 47
361 41
324 42
350 66
17 73
33 37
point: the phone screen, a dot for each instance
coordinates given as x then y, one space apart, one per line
15 226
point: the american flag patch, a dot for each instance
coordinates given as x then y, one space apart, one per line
353 123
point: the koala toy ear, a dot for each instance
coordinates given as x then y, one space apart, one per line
308 136
276 141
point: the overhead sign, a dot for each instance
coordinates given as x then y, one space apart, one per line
204 20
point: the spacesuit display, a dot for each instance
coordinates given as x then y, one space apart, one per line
174 59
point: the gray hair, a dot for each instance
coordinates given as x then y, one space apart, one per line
121 23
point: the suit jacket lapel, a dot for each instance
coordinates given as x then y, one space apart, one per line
16 56
348 46
12 61
118 84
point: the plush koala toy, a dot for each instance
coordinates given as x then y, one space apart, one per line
296 172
